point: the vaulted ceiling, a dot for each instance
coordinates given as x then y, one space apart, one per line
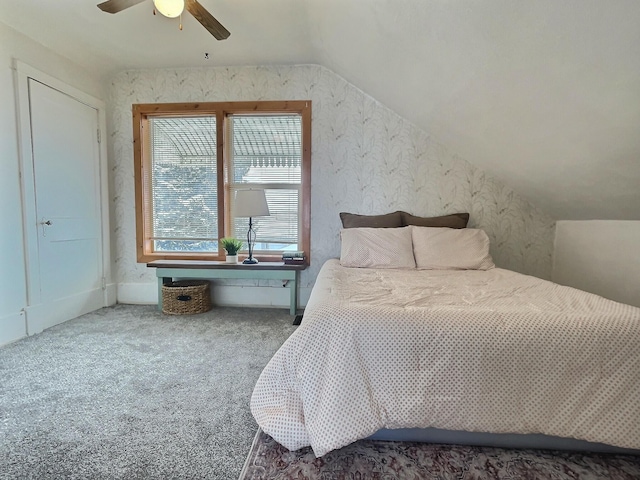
542 94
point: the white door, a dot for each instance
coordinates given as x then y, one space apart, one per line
66 278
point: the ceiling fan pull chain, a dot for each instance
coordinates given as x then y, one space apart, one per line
180 21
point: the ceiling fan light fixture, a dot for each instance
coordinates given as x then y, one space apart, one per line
172 9
169 8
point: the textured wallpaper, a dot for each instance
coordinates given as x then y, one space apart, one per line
365 159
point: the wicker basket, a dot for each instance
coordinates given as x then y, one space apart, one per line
186 297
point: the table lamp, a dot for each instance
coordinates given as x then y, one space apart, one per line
251 203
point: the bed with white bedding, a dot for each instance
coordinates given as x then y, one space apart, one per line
460 350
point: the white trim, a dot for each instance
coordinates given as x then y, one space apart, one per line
107 275
138 293
236 296
23 73
48 314
12 328
250 296
27 185
27 71
110 293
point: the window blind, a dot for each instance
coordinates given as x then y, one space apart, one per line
184 183
267 153
281 226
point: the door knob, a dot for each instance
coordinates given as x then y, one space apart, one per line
44 222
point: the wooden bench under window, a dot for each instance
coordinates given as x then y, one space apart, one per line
169 270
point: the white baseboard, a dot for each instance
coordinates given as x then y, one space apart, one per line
45 315
12 327
138 293
223 295
110 295
38 317
240 296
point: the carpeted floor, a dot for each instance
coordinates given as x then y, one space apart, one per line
128 393
377 460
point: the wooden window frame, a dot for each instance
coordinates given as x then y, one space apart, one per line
141 115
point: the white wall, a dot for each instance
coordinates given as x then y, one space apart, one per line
599 256
365 159
12 278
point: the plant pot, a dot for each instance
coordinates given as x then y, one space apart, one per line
232 258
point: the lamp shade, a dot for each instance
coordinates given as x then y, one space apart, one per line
169 8
251 203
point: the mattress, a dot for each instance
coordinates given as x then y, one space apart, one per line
478 351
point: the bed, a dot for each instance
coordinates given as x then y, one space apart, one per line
408 352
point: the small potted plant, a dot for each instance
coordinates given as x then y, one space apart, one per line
231 246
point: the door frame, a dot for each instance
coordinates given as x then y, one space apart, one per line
23 73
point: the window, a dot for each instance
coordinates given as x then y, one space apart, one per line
266 154
191 159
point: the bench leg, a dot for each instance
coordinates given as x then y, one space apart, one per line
293 291
293 302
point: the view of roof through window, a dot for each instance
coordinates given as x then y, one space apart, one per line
267 148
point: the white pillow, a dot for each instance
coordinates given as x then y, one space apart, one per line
377 248
451 249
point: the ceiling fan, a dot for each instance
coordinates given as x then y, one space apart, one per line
173 8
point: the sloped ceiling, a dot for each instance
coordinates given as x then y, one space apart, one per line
544 95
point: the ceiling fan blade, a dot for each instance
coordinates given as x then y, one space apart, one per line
115 6
206 19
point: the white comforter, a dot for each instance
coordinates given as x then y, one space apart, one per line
489 351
